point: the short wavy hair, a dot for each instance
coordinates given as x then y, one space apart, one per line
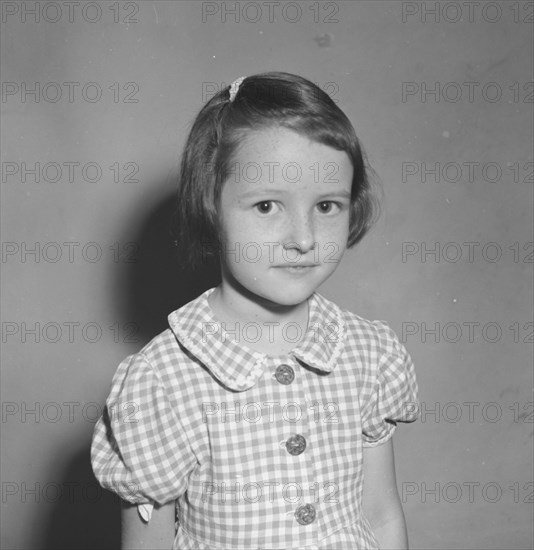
263 101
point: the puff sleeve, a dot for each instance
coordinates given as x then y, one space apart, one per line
393 389
140 450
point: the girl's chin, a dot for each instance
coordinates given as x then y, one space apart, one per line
285 296
284 290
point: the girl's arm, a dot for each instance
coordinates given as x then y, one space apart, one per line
157 534
381 502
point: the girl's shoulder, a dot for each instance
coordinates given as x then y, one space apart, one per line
372 335
160 348
161 357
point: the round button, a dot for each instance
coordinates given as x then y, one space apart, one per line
305 514
284 374
295 445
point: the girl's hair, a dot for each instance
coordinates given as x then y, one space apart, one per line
263 101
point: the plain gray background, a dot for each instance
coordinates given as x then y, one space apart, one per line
464 472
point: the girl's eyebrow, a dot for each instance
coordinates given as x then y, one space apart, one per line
337 194
343 194
261 190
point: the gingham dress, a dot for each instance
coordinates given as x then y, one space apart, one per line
199 418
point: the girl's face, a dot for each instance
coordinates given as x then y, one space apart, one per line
284 215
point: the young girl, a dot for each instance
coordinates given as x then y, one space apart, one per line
262 418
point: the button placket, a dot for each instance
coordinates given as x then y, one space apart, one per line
295 443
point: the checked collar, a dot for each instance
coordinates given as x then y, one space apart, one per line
235 364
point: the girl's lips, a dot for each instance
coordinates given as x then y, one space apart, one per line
296 269
286 266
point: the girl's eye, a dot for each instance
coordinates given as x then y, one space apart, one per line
264 207
326 207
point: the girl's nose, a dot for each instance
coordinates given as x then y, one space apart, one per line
301 235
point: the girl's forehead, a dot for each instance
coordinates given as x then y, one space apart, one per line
281 159
279 142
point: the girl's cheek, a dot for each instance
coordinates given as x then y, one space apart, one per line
337 228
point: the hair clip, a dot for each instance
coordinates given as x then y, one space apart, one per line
234 88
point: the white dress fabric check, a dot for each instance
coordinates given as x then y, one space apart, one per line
199 418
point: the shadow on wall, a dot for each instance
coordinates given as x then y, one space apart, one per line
159 281
145 291
89 518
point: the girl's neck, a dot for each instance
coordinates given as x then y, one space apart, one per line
231 307
234 305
